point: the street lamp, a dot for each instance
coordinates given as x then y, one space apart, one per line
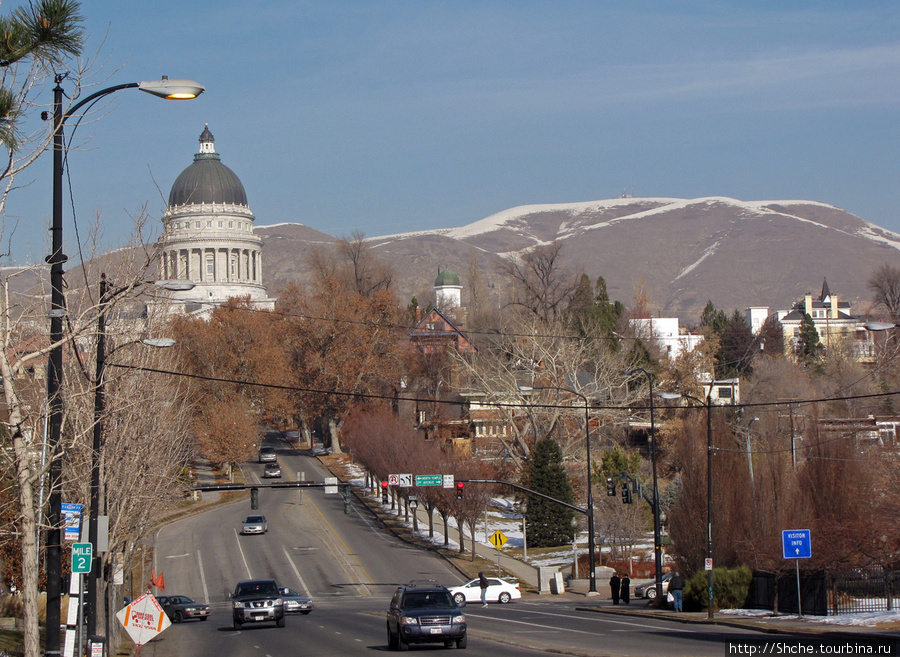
592 575
106 296
165 88
657 541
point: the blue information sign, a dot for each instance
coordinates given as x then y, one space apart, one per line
795 544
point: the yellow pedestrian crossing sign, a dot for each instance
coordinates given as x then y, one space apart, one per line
498 539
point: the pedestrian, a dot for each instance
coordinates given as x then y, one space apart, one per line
626 588
676 586
483 583
614 586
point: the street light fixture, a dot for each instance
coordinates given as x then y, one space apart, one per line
592 575
165 88
106 296
657 539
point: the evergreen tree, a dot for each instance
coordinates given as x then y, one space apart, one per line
738 347
548 524
809 349
714 320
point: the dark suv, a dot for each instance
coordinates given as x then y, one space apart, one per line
257 600
425 614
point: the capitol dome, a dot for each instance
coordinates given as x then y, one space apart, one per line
207 180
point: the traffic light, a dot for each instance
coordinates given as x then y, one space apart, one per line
384 492
254 499
459 490
626 494
610 486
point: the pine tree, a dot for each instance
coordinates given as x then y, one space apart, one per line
809 349
548 524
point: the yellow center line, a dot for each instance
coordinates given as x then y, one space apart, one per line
341 540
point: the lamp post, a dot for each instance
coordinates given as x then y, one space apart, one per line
165 88
592 575
657 541
106 296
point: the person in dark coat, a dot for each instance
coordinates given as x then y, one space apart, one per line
614 587
483 583
626 588
676 585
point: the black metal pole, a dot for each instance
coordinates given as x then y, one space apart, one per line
592 575
709 501
56 259
99 407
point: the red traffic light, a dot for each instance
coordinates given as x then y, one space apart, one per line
384 484
460 484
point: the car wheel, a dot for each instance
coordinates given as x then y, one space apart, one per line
179 617
504 598
462 643
651 593
279 622
236 625
459 598
392 640
402 645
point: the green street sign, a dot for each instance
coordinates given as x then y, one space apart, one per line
429 480
81 557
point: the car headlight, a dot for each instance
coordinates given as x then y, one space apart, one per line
278 602
238 605
409 620
459 619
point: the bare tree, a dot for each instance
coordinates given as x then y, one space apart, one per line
884 284
541 285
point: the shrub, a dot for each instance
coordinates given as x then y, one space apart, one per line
731 588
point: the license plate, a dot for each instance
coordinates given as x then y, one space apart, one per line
436 630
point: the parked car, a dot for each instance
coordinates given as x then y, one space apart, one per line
648 590
255 525
180 608
294 602
272 470
267 454
257 601
425 614
499 590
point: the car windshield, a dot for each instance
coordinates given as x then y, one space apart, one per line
255 519
428 600
257 588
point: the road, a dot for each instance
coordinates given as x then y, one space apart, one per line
351 566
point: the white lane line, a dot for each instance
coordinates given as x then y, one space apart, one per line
241 550
202 578
178 556
297 572
599 618
555 628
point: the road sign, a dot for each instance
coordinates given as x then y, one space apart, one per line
707 564
447 481
406 480
498 539
331 485
393 480
429 480
71 514
143 619
796 544
81 557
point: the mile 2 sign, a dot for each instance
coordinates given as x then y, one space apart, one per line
796 544
82 554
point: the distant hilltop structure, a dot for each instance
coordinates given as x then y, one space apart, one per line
208 236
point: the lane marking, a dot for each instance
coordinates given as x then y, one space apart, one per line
599 618
202 578
348 552
297 572
237 539
178 556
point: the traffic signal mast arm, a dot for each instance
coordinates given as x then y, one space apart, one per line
527 490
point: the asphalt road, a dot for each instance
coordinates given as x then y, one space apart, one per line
351 566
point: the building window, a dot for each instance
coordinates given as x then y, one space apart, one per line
724 393
221 224
196 224
231 224
233 267
210 265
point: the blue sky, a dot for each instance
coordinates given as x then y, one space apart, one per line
386 116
